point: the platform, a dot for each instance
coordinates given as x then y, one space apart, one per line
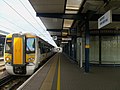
61 73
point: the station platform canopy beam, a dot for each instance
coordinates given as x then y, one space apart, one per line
61 15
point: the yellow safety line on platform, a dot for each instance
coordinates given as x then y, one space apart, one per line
47 84
58 79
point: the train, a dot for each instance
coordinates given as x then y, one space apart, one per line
23 53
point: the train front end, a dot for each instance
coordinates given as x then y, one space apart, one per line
19 54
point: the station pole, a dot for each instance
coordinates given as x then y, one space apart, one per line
87 45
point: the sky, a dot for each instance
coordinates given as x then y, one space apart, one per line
19 16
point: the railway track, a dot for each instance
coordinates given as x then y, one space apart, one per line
11 82
2 66
5 80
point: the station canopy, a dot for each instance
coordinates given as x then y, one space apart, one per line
60 19
64 18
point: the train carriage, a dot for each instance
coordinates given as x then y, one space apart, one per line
24 52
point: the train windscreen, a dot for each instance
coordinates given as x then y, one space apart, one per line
30 45
8 46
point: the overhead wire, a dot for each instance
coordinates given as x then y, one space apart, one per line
32 16
12 22
23 17
7 28
30 13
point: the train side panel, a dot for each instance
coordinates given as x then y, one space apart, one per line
24 52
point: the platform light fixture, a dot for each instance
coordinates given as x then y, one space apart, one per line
67 23
70 12
66 39
65 28
64 33
73 4
72 8
64 42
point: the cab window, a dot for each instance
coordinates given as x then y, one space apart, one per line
8 46
30 45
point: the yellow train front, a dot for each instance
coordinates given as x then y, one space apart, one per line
24 52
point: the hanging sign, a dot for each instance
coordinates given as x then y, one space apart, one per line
105 19
54 37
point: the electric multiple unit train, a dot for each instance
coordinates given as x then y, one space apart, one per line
24 52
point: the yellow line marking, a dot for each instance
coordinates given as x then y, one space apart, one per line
47 83
58 79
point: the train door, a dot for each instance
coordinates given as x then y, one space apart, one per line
18 46
18 50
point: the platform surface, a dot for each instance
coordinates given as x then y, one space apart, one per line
61 73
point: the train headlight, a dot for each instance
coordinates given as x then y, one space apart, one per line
7 59
31 59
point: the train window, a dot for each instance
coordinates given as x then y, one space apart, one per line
42 48
8 46
39 43
30 45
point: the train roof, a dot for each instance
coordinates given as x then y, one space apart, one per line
29 35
